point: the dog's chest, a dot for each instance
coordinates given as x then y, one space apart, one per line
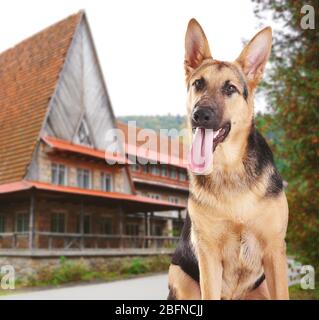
240 251
241 254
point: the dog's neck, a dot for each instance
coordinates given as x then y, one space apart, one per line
228 156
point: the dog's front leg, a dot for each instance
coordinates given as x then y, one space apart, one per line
211 272
276 272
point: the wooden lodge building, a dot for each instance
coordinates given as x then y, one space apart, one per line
57 192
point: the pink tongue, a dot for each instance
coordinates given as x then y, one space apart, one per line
200 157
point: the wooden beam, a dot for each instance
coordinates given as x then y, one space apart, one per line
149 229
121 226
82 225
31 221
150 218
145 229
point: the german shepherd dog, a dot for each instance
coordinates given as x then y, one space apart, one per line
233 241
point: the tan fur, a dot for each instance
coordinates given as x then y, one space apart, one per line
237 233
184 287
230 228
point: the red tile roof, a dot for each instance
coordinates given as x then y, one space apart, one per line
27 185
28 76
161 152
62 145
162 182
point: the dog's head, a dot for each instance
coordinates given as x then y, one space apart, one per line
220 94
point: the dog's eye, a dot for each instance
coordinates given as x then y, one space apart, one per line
228 89
199 84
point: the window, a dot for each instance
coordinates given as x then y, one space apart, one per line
136 167
106 225
58 222
173 174
58 174
132 229
182 176
154 196
83 178
145 168
106 182
155 170
157 230
83 135
2 223
22 222
86 224
173 200
164 172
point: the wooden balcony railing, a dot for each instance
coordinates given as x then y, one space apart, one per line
71 241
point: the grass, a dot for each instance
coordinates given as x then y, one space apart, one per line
297 293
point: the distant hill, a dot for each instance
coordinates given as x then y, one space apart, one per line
157 122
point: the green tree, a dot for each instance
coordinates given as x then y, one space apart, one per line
291 88
157 122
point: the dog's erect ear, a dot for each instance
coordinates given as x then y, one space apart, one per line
254 56
196 47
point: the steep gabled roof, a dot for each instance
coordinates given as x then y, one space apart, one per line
29 73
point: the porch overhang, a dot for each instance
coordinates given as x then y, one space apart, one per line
152 156
129 202
161 184
65 146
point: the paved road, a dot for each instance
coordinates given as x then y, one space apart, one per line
146 288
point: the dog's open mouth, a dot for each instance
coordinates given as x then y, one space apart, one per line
221 134
204 144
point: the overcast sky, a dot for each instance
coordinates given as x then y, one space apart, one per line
140 43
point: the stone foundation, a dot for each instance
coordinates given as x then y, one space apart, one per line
27 266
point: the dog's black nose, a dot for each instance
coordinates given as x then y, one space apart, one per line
203 117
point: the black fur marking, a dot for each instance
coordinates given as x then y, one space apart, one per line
171 294
259 155
241 79
203 181
184 255
245 92
275 185
221 65
258 282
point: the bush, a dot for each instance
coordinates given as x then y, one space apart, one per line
73 271
136 266
69 271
